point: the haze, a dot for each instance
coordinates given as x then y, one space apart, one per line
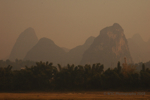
70 22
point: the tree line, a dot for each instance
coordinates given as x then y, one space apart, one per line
44 76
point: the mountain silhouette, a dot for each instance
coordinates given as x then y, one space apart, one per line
108 48
24 43
46 50
139 49
74 56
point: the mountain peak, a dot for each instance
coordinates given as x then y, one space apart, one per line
137 38
26 40
108 48
29 30
117 26
137 35
112 30
46 41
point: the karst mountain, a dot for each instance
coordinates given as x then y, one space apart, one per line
108 48
46 50
24 43
139 49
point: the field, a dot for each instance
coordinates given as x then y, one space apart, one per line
77 96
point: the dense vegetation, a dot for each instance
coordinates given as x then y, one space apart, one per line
43 76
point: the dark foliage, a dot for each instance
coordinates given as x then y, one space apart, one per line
43 76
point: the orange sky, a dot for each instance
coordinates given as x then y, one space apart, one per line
70 22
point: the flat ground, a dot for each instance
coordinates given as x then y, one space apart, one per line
77 96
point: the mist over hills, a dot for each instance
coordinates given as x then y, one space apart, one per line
74 56
108 48
24 43
46 50
140 50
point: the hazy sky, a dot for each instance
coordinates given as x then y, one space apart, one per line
70 22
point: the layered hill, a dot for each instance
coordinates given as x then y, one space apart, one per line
24 43
108 48
139 49
46 50
74 56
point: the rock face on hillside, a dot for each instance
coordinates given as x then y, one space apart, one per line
139 49
74 56
24 43
46 50
108 48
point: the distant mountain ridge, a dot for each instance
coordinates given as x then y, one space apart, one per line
47 50
108 48
24 43
27 47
